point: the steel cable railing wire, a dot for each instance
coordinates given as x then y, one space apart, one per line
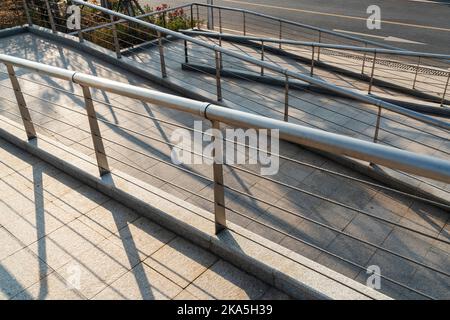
200 176
333 111
193 130
336 101
240 144
197 195
118 160
55 119
112 157
130 130
388 71
344 115
308 79
172 145
327 252
272 180
378 61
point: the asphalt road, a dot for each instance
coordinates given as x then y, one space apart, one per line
417 24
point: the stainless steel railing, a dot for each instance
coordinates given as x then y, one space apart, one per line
248 95
391 157
218 51
217 115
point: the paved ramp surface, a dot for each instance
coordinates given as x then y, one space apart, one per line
61 114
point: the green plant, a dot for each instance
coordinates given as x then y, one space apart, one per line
11 14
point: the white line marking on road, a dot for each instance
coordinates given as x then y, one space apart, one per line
427 1
338 15
388 38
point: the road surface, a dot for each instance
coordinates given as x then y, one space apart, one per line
411 24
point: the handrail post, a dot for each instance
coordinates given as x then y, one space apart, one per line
192 16
318 48
198 18
417 72
445 90
161 56
312 60
50 16
372 72
219 190
377 126
116 38
286 99
27 13
262 57
220 56
218 81
80 32
164 20
186 56
281 33
364 60
244 24
220 20
210 16
24 112
100 154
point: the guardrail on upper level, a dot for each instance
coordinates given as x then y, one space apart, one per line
219 51
405 161
405 73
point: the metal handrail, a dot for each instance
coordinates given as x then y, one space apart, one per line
270 66
322 45
394 158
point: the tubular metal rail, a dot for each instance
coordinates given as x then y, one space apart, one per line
416 164
421 165
388 124
337 144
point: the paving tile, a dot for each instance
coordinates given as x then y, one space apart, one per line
369 229
424 279
19 271
350 250
109 218
142 282
33 226
52 287
181 261
408 244
142 236
66 243
84 199
425 218
10 244
224 281
99 267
